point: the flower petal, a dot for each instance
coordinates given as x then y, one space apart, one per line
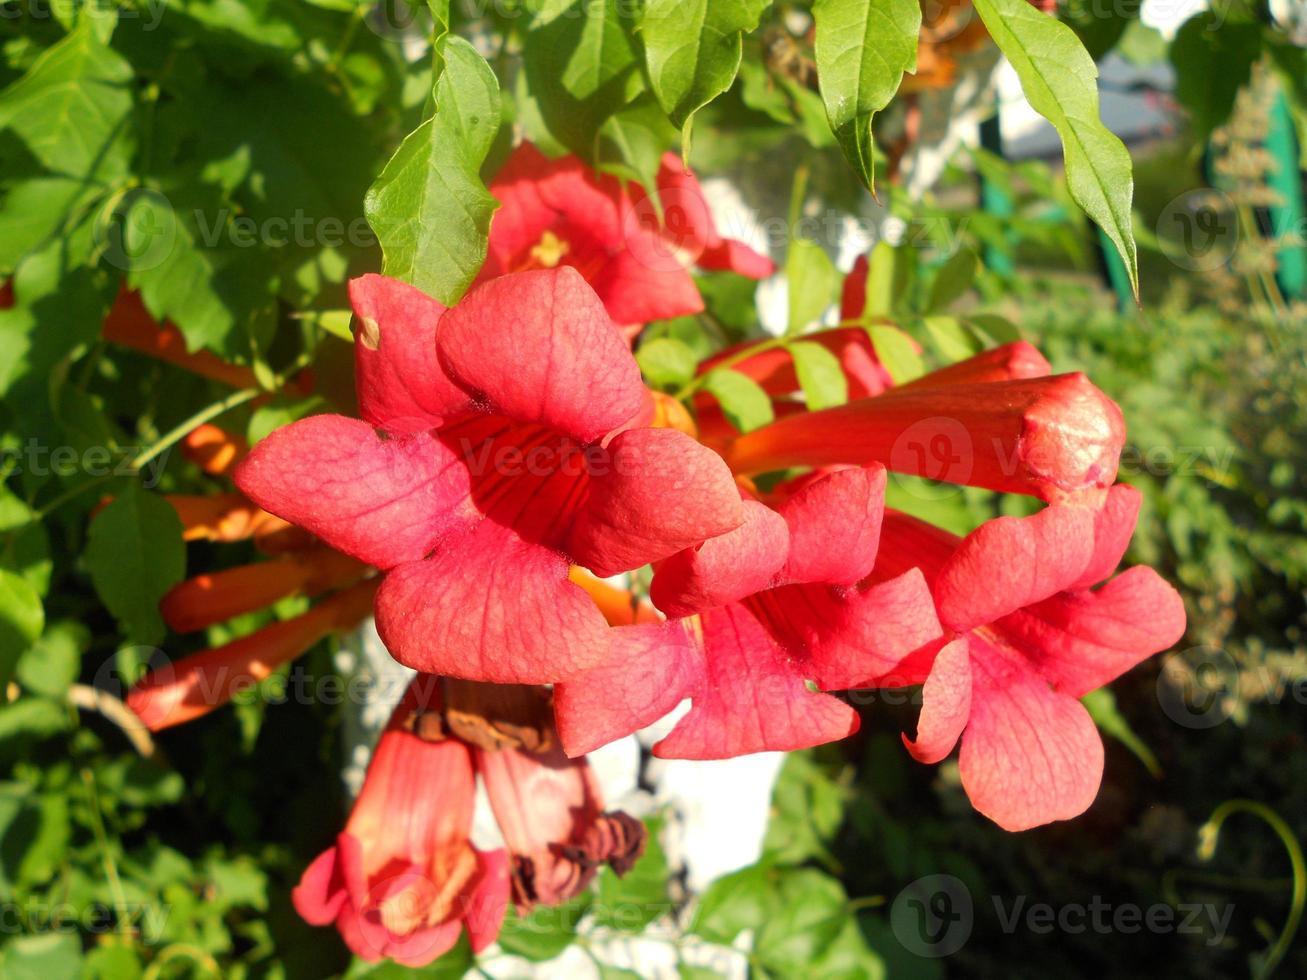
945 706
539 347
383 501
751 698
486 901
1030 755
860 637
834 526
645 282
1114 525
1010 562
660 492
490 606
725 568
321 893
401 385
649 670
736 257
1080 641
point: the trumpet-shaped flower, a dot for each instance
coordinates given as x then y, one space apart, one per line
634 253
1027 637
479 475
403 880
760 614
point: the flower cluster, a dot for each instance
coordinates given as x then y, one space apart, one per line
508 456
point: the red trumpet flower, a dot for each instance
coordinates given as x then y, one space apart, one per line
764 610
403 879
505 456
558 212
1028 637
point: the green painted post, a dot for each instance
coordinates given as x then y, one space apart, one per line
994 200
1117 276
1288 225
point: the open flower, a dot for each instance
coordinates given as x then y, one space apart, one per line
403 879
1026 638
496 453
760 612
634 253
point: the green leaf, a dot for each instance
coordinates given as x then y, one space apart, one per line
582 67
632 142
953 340
692 50
897 352
1058 79
735 902
820 375
429 208
22 617
546 932
71 106
32 717
744 402
53 954
666 362
135 554
997 328
952 280
807 808
812 281
630 902
863 47
1205 41
54 661
807 919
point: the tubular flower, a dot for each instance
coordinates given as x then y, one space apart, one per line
1026 637
549 807
403 879
759 613
505 456
200 683
1044 436
558 212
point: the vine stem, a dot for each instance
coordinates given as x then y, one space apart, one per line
1208 834
106 855
160 446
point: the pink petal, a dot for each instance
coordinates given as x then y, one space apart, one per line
1030 755
1114 524
489 606
523 215
1010 562
423 946
487 900
737 257
751 697
649 670
834 526
321 893
383 501
945 706
860 637
401 386
645 282
1080 641
1005 363
725 568
659 492
539 347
